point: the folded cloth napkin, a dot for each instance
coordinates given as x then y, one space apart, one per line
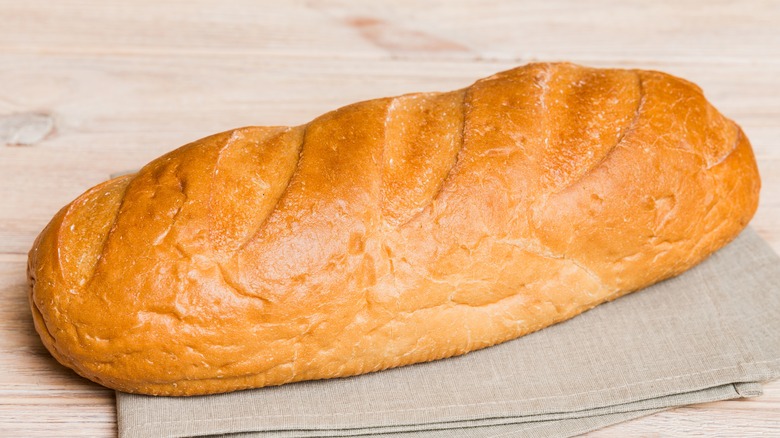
709 334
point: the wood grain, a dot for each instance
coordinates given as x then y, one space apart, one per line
91 88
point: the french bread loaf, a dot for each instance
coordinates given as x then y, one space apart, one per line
389 232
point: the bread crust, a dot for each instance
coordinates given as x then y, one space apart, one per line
389 232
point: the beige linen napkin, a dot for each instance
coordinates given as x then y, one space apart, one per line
709 334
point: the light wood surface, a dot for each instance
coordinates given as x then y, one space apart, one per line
92 88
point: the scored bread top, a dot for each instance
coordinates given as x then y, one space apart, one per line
389 232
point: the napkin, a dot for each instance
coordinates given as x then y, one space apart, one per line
709 334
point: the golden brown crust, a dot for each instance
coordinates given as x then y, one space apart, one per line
389 232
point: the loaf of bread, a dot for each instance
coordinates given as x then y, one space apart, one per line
389 232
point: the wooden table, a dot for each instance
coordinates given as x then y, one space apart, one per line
91 88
